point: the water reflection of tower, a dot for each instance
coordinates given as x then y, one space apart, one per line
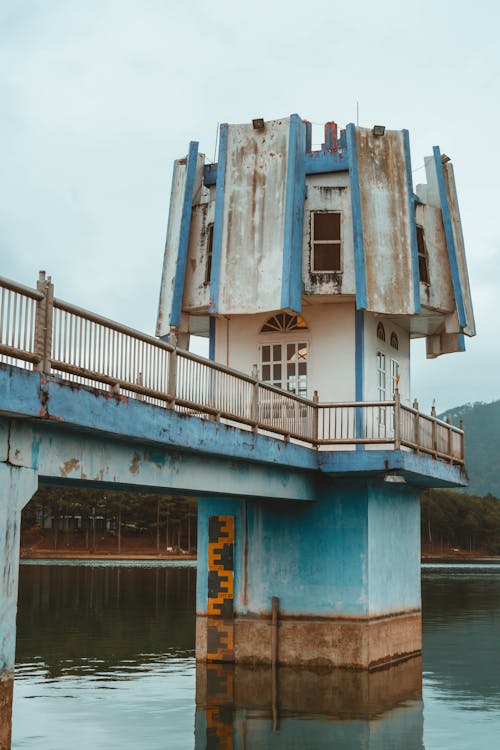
317 709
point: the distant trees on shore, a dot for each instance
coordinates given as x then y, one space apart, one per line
449 520
168 521
461 521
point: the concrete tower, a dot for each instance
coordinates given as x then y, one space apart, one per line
313 270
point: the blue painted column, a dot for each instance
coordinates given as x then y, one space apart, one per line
346 570
17 485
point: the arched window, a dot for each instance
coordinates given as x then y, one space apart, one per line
381 332
284 323
381 376
394 341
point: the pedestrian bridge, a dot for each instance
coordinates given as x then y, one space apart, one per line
68 368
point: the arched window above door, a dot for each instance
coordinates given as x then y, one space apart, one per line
284 323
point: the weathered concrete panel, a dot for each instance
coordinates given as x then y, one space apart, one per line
456 223
329 192
386 222
438 295
197 286
449 291
253 220
176 243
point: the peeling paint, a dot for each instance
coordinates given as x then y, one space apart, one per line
134 466
72 465
156 457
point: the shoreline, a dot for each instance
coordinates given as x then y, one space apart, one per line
83 555
456 556
165 556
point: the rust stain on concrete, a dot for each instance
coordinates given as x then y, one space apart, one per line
134 466
69 466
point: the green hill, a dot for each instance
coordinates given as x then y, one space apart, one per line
482 445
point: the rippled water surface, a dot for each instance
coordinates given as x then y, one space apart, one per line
105 659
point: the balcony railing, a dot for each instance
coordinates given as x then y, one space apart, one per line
56 337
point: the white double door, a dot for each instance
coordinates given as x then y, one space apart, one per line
285 365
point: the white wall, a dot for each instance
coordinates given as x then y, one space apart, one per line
402 355
330 336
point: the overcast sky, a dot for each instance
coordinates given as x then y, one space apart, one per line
98 97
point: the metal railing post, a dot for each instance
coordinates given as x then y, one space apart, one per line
254 409
434 431
315 418
139 381
450 437
397 420
462 440
172 378
416 427
43 323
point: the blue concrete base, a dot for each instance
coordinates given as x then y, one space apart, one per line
346 570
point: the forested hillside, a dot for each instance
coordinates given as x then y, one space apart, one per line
453 520
482 445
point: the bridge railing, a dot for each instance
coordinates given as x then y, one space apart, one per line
53 336
18 310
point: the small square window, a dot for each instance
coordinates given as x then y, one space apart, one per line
327 226
423 264
327 257
210 244
326 241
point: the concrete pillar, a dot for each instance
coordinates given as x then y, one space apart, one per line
17 486
238 706
346 571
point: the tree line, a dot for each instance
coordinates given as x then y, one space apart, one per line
448 519
169 521
458 520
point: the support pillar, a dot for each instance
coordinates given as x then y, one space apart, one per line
346 570
17 486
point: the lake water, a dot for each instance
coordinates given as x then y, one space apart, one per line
105 659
